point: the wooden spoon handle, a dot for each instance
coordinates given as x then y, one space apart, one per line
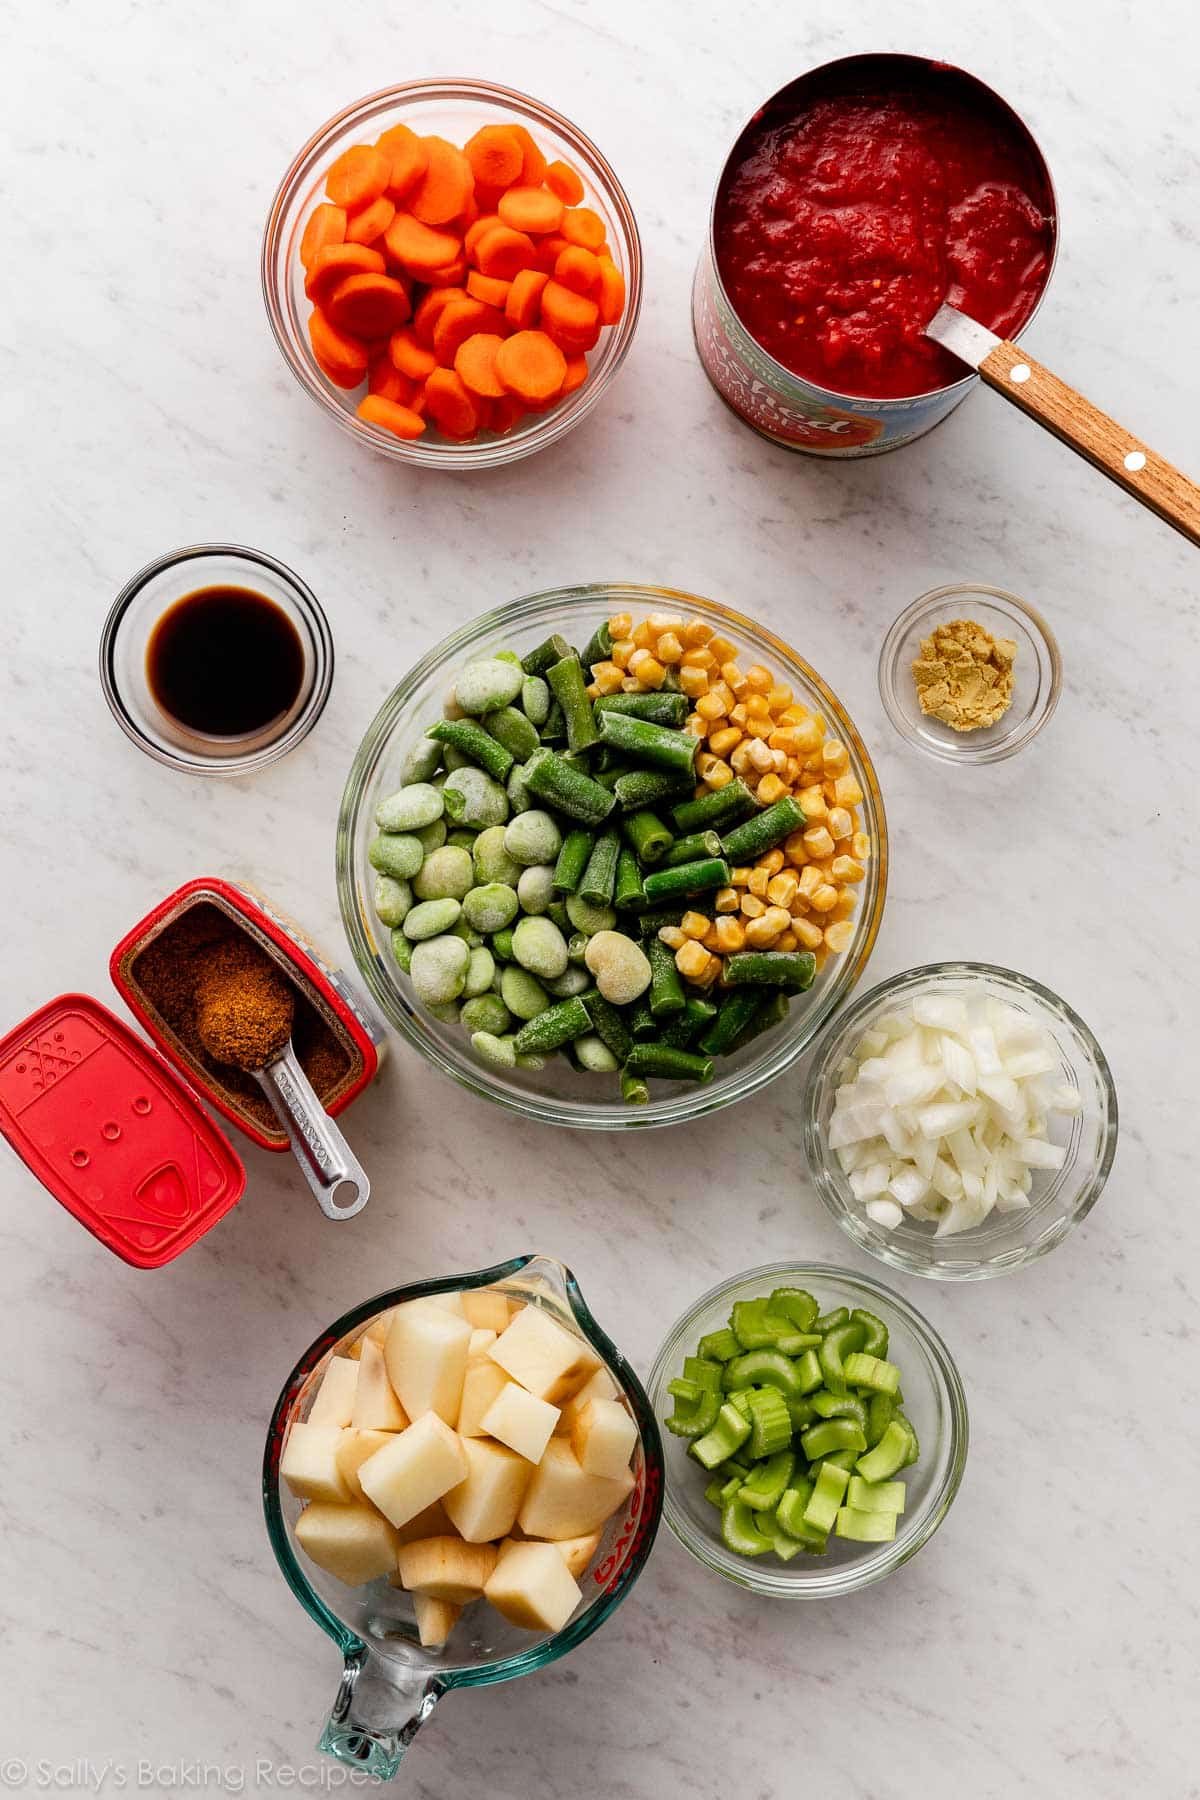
1012 372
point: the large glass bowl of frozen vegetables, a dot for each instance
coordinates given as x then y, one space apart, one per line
566 1088
911 1384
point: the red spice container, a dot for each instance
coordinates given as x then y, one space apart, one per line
837 229
110 1128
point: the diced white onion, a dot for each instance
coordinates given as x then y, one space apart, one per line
885 1213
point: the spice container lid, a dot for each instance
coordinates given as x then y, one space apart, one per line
113 1134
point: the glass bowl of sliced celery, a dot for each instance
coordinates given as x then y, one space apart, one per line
959 1121
814 1430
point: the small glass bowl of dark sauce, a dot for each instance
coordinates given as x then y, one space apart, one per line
216 659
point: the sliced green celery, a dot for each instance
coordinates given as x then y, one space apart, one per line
687 1391
768 1481
836 1345
826 1497
830 1321
772 1424
889 1455
728 1433
694 1420
881 1410
876 1343
914 1447
704 1371
786 1546
864 1370
834 1434
808 1371
840 1406
719 1346
762 1368
841 1459
740 1531
865 1527
875 1496
800 1412
794 1304
714 1493
789 1514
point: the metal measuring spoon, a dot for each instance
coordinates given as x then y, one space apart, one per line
326 1160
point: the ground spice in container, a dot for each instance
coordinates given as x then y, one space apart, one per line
167 973
964 675
244 1005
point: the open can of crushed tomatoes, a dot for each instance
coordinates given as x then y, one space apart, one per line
831 243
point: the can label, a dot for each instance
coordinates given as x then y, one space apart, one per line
787 408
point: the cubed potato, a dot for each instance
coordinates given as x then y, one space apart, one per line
578 1552
446 1568
603 1438
435 1619
481 1340
431 1521
353 1451
599 1386
482 1382
532 1587
451 1302
376 1406
379 1327
310 1465
520 1420
486 1309
415 1469
564 1501
542 1356
354 1543
484 1506
426 1355
333 1402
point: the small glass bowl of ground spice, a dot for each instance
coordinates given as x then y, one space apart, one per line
969 673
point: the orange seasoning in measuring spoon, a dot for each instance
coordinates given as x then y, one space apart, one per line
225 662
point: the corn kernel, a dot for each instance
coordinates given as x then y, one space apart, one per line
647 668
779 698
808 736
711 706
761 933
719 775
757 708
699 658
694 924
726 900
758 881
779 762
772 860
721 648
812 803
848 791
710 939
807 935
845 906
723 740
592 691
781 888
606 677
782 738
733 678
817 841
860 846
824 898
759 728
725 695
672 937
696 632
787 940
794 715
810 880
757 754
630 685
693 960
752 907
835 757
660 622
760 679
770 789
693 682
740 876
620 625
730 935
670 650
839 937
643 635
840 822
697 726
845 869
740 757
622 650
793 849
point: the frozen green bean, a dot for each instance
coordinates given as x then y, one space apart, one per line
556 1026
567 789
792 970
656 745
572 860
550 651
608 1025
696 848
637 788
666 989
596 885
512 729
472 741
627 889
657 709
745 843
569 687
673 1065
686 879
722 806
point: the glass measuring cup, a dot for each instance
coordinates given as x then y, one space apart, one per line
390 1682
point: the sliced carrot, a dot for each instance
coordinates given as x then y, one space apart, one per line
531 366
400 420
533 165
452 274
332 265
503 252
385 379
577 374
359 176
531 209
580 225
446 186
342 357
612 290
369 306
326 225
408 156
458 321
488 289
496 155
505 414
429 310
479 228
419 403
475 364
525 297
578 270
549 249
562 180
418 248
371 222
409 355
450 405
563 310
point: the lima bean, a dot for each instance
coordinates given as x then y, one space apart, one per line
395 854
523 996
535 699
587 917
621 967
409 808
402 949
571 982
431 918
532 837
432 837
492 861
422 761
486 1012
495 1049
480 970
487 684
446 874
439 969
473 798
540 947
393 899
518 794
594 1055
491 907
535 889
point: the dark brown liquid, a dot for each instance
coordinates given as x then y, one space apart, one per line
225 661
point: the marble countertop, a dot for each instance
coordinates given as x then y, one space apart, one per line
1046 1642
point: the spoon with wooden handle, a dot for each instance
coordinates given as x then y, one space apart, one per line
1160 486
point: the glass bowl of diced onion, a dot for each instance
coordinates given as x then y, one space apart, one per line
558 1094
959 1121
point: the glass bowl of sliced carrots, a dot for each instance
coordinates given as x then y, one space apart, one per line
453 272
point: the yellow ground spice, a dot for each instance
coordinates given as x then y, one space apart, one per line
964 675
